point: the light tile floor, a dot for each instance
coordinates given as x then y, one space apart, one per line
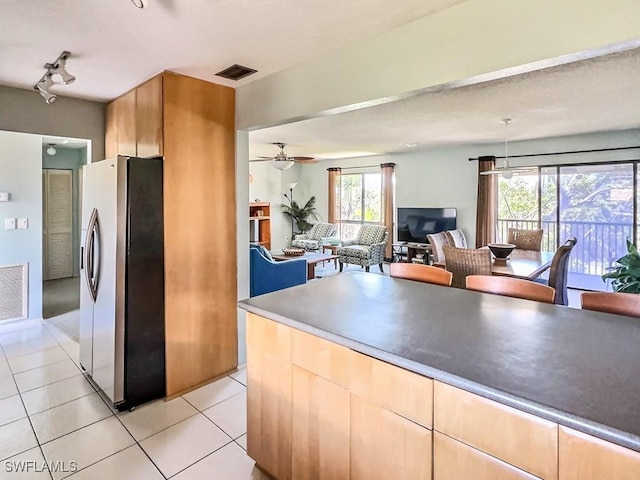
49 412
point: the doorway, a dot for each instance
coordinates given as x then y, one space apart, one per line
62 162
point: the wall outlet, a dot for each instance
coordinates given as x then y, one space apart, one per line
4 197
9 223
23 223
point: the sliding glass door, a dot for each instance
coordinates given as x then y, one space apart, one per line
596 203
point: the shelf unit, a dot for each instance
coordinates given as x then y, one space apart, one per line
260 223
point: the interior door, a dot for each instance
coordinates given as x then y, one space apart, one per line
58 223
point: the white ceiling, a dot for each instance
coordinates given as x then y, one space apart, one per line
65 142
587 96
116 46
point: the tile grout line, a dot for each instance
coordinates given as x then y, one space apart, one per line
33 430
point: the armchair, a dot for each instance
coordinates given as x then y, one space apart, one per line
367 249
267 275
312 240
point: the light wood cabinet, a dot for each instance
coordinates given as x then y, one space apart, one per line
520 439
385 445
320 428
453 460
191 123
584 457
148 117
325 359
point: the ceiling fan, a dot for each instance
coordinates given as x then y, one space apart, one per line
282 161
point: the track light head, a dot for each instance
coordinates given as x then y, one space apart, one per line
43 87
138 3
59 68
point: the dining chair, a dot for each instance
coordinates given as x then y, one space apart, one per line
421 273
525 239
619 303
511 287
462 262
558 271
457 238
437 241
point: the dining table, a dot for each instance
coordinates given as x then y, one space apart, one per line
523 264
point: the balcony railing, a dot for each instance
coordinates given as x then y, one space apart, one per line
599 244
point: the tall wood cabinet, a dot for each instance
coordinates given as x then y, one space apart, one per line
192 124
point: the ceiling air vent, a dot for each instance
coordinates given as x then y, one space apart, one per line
236 72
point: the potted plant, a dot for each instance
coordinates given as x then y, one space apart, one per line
300 215
625 278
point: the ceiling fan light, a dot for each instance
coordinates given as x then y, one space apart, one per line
282 165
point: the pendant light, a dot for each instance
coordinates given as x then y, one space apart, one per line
506 171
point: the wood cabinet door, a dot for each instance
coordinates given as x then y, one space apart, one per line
125 113
526 441
453 460
386 446
269 412
320 428
148 117
583 457
111 131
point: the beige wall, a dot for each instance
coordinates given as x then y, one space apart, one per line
26 111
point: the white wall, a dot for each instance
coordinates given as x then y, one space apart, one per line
21 176
445 178
467 41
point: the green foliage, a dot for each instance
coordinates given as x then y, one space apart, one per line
301 215
626 277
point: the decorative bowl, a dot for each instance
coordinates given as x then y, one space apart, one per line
293 252
501 250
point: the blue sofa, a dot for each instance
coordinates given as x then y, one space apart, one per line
267 275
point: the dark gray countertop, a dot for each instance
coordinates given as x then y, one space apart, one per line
578 368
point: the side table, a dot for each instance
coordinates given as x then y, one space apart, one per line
334 251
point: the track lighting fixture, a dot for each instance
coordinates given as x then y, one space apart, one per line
54 70
138 3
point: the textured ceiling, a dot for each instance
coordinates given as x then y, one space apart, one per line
116 46
587 96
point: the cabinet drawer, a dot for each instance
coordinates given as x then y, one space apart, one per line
387 446
269 336
325 359
405 393
523 440
455 460
583 457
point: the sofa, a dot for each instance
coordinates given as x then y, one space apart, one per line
267 275
313 239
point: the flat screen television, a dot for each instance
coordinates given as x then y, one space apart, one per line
414 224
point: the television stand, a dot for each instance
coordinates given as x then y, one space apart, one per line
412 251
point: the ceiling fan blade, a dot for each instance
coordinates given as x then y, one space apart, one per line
261 159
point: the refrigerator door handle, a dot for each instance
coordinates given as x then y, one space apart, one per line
96 262
88 248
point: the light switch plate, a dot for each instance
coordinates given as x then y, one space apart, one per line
23 223
4 196
10 223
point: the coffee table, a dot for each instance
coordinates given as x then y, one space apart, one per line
312 260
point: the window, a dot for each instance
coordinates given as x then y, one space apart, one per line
593 202
360 202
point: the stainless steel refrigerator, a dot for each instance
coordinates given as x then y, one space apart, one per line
122 342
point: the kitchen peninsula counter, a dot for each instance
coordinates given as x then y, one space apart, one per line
575 368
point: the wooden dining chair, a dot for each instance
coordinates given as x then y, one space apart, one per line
619 303
511 287
421 273
525 239
462 262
